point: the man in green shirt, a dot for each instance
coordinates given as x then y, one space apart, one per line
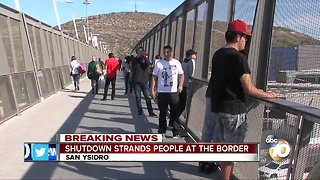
93 75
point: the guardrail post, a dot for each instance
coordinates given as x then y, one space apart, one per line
293 164
207 40
32 57
14 94
261 42
183 30
232 10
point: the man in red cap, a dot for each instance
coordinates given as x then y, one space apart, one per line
225 118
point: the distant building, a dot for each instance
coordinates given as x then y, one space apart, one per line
302 62
282 58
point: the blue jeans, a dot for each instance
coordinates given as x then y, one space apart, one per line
138 87
95 85
211 128
76 80
128 82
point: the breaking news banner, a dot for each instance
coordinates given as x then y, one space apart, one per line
136 147
159 152
40 152
101 138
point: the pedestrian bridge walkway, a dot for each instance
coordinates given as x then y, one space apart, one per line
68 111
35 65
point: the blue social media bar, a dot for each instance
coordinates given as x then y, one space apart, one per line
40 152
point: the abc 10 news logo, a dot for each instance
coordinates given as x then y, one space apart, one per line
279 149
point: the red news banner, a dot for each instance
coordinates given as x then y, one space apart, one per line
131 147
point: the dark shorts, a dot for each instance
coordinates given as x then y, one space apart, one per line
232 127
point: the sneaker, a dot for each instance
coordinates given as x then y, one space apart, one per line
103 99
176 135
152 114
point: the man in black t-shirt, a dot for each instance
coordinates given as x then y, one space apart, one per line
225 118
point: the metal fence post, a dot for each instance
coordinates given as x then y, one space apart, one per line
261 42
32 58
292 165
14 94
207 40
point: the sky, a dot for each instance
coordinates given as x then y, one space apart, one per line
43 10
304 19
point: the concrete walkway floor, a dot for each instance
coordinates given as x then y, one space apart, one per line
82 112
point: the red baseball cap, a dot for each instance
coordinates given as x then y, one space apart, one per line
239 26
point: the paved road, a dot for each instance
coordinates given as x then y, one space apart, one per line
81 112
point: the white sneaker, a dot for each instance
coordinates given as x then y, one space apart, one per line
176 136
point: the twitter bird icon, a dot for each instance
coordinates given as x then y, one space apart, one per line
40 152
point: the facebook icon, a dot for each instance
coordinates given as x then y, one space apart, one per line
40 152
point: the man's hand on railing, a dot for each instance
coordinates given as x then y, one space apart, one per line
270 94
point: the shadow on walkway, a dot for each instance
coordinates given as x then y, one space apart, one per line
118 116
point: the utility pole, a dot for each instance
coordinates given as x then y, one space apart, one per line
56 13
135 6
75 27
17 5
85 34
86 2
56 10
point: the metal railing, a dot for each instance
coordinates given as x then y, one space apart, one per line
295 123
284 46
35 61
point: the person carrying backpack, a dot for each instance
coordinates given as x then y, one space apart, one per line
93 73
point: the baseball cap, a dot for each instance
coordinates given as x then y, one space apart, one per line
190 52
238 26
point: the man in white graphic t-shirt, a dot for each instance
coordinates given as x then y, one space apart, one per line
168 73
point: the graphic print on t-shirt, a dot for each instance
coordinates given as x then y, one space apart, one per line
167 73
